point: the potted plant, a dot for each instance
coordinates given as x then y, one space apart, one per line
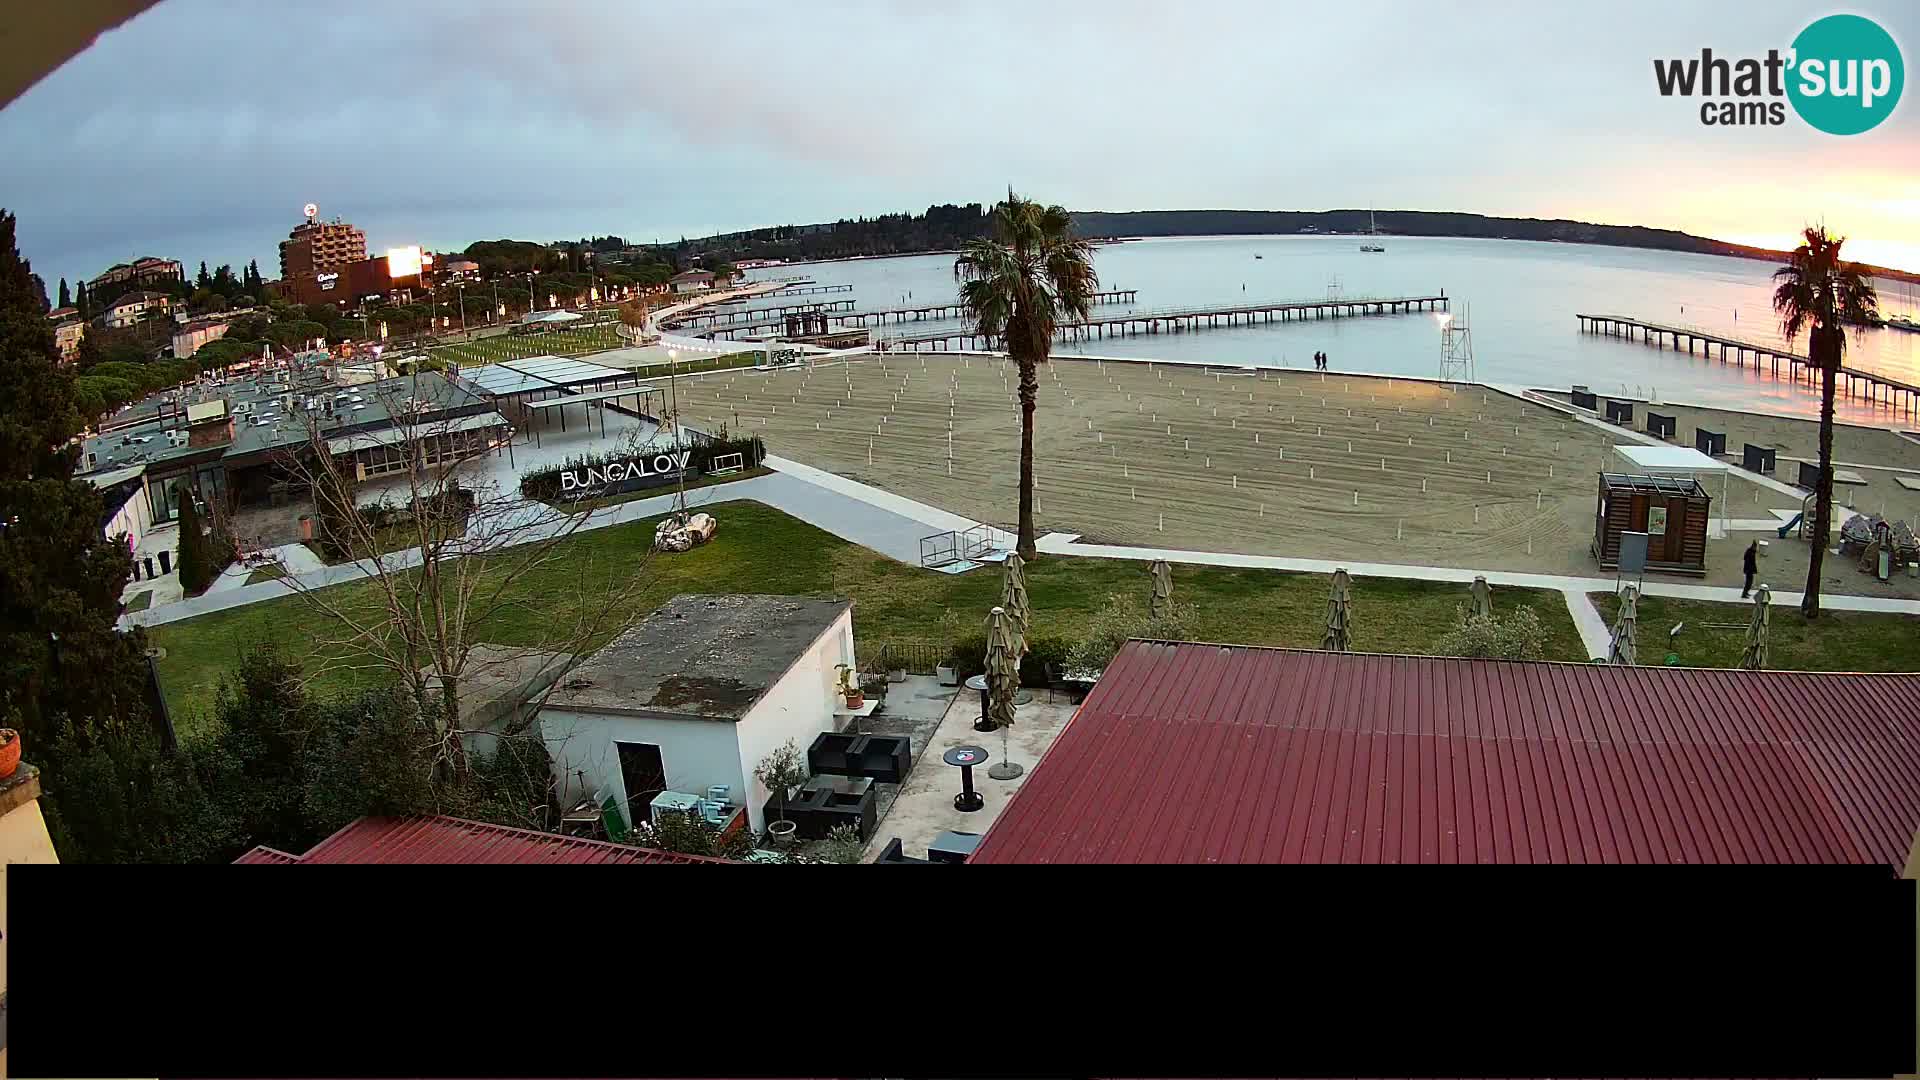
850 687
782 771
9 752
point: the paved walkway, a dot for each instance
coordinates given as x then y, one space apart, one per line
894 525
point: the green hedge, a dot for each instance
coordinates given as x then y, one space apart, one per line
544 483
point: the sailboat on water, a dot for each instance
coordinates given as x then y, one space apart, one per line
1373 231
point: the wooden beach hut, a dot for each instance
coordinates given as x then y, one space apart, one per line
1672 510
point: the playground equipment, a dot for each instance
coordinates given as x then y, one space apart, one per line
684 532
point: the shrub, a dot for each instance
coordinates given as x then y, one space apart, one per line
1124 616
842 845
544 483
687 834
1515 635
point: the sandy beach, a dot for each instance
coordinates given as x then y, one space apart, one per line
1271 462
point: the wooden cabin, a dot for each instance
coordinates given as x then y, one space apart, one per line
1672 510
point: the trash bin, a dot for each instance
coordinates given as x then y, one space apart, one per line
165 563
148 559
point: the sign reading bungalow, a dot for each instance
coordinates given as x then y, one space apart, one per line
630 474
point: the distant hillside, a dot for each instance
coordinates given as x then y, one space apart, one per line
1102 224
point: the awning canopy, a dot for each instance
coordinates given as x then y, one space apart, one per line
389 436
598 395
1670 459
554 316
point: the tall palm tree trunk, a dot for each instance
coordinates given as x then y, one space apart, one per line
1029 397
1823 492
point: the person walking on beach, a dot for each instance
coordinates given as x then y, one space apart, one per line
1751 564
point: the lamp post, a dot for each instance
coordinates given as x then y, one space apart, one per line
462 289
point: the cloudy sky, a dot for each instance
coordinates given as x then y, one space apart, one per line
198 130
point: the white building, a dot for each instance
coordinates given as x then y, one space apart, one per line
691 281
697 695
133 307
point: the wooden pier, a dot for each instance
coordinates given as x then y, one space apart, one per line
717 317
1852 382
1179 320
814 290
937 312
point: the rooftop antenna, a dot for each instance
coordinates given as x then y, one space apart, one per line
1456 347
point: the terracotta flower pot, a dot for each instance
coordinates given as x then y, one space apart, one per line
855 699
10 753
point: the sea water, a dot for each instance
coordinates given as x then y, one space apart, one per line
1519 299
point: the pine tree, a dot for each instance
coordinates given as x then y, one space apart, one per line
63 664
66 298
84 302
203 281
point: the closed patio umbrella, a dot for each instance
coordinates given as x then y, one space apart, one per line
1014 598
1162 600
1339 599
1003 681
1754 656
1626 629
1482 593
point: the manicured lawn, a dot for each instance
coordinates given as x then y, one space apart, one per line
1716 634
759 549
572 341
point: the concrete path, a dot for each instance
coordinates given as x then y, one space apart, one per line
1068 544
894 525
1595 634
882 522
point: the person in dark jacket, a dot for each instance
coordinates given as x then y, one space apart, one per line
1751 564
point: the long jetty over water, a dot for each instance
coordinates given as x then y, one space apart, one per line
937 312
1178 320
729 316
1900 396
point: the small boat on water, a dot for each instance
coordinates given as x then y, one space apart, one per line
1259 256
1904 322
1372 230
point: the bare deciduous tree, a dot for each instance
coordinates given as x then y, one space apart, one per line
446 559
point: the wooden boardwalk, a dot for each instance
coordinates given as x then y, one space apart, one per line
1901 397
1178 320
938 312
740 316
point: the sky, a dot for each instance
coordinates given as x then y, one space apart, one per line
199 129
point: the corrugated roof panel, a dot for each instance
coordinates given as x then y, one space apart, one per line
1205 753
434 839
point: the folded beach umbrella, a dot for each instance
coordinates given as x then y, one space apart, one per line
1754 656
1339 600
1482 606
1626 629
1013 597
1162 599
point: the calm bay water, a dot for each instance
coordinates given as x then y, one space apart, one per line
1520 298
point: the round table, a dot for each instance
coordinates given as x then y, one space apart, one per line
966 757
985 723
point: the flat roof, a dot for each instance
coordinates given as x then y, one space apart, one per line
510 377
597 395
1190 752
1670 457
387 436
702 656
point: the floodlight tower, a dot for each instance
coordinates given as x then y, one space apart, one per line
1456 347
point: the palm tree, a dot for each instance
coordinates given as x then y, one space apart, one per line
1818 293
1020 283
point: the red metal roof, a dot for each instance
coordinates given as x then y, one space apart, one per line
1232 754
434 839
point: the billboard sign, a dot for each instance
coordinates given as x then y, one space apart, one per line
627 474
